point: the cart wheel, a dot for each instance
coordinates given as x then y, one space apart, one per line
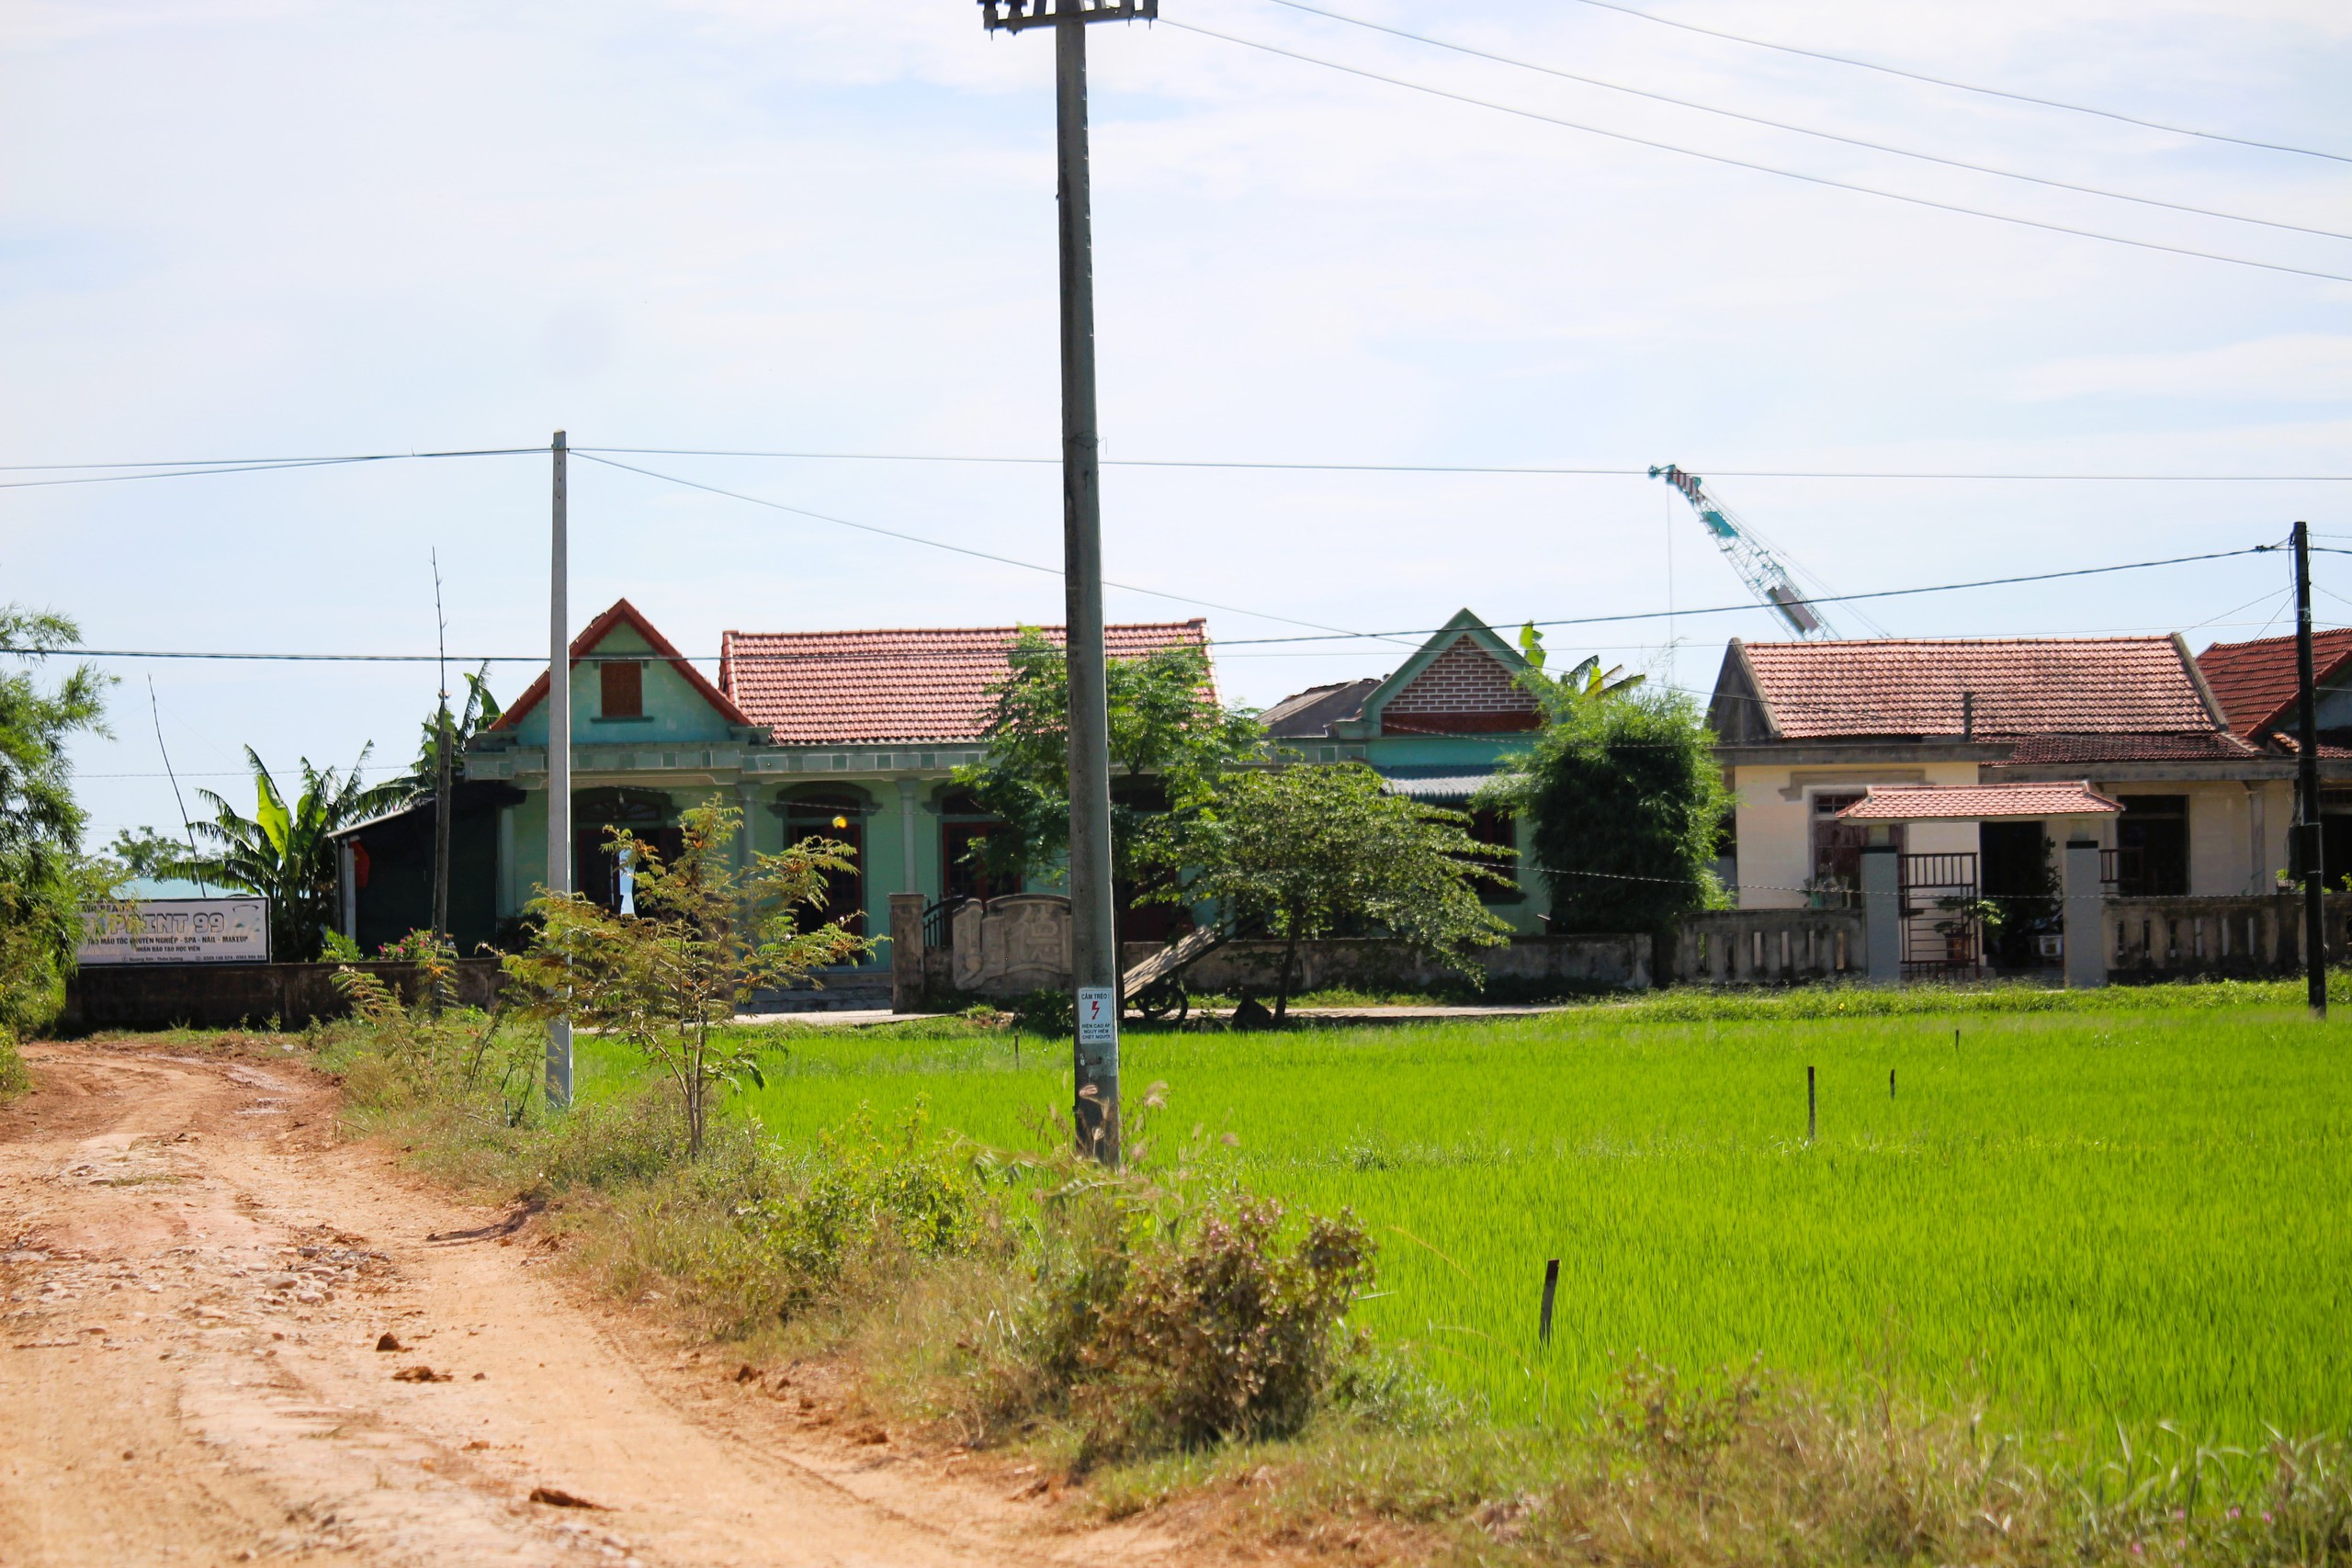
1163 999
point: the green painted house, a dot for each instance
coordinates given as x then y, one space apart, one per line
1435 728
854 735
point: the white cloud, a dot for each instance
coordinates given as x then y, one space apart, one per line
2286 368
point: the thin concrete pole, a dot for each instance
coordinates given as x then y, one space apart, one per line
2307 779
1093 947
559 754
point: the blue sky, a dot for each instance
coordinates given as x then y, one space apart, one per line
247 228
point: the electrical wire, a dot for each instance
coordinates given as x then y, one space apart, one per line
1759 168
1329 634
967 550
1807 131
1969 87
1636 471
260 465
199 467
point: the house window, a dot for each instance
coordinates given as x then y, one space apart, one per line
2152 846
1837 849
623 683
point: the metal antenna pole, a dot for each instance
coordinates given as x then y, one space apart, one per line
1094 958
559 757
2307 785
443 787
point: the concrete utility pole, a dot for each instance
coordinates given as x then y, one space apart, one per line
2307 820
1094 954
560 756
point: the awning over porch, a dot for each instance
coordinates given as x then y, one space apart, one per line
1978 803
1441 784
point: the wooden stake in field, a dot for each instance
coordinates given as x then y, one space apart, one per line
1551 1288
1890 1083
1810 1122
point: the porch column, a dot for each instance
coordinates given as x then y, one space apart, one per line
507 902
747 801
909 811
907 959
1882 909
2085 929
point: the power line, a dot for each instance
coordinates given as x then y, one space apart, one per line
1822 599
1759 168
961 550
1329 634
1635 472
228 466
1806 130
1969 87
200 467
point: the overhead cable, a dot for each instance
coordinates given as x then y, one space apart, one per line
964 550
1328 636
228 466
198 467
1759 168
1969 87
1807 131
1538 471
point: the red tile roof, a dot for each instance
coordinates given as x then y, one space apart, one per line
1901 686
2254 682
1978 803
623 611
837 688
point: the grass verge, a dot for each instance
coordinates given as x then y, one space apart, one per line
1187 1347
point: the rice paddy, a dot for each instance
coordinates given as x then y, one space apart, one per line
2086 1218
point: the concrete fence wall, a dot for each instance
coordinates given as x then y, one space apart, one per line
225 996
1598 963
1770 947
2158 939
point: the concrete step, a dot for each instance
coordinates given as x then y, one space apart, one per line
843 990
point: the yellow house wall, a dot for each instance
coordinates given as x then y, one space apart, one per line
1776 834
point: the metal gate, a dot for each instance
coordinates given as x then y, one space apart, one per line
1943 939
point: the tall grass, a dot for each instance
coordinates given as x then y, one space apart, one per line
2094 1213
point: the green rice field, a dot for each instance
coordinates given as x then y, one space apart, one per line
2084 1218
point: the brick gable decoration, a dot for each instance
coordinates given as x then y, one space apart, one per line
1466 690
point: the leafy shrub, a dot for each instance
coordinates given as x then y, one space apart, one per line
1051 1014
12 1078
1228 1330
443 1054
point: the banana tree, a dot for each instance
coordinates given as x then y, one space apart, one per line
283 853
1588 683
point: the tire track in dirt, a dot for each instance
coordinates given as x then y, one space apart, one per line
195 1279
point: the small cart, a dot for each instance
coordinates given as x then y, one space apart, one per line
1155 988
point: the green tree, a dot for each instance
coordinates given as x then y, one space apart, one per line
1626 798
1305 852
283 853
1170 743
479 711
1586 683
45 880
669 979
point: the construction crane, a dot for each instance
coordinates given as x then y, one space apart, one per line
1749 556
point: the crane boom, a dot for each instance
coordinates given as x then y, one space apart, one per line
1758 567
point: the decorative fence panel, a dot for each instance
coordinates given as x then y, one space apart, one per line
2161 939
1770 947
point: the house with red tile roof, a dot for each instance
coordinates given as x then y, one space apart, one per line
1436 728
852 735
1806 729
2255 683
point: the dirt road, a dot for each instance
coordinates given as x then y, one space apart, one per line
196 1278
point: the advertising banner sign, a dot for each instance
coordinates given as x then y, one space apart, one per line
177 930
